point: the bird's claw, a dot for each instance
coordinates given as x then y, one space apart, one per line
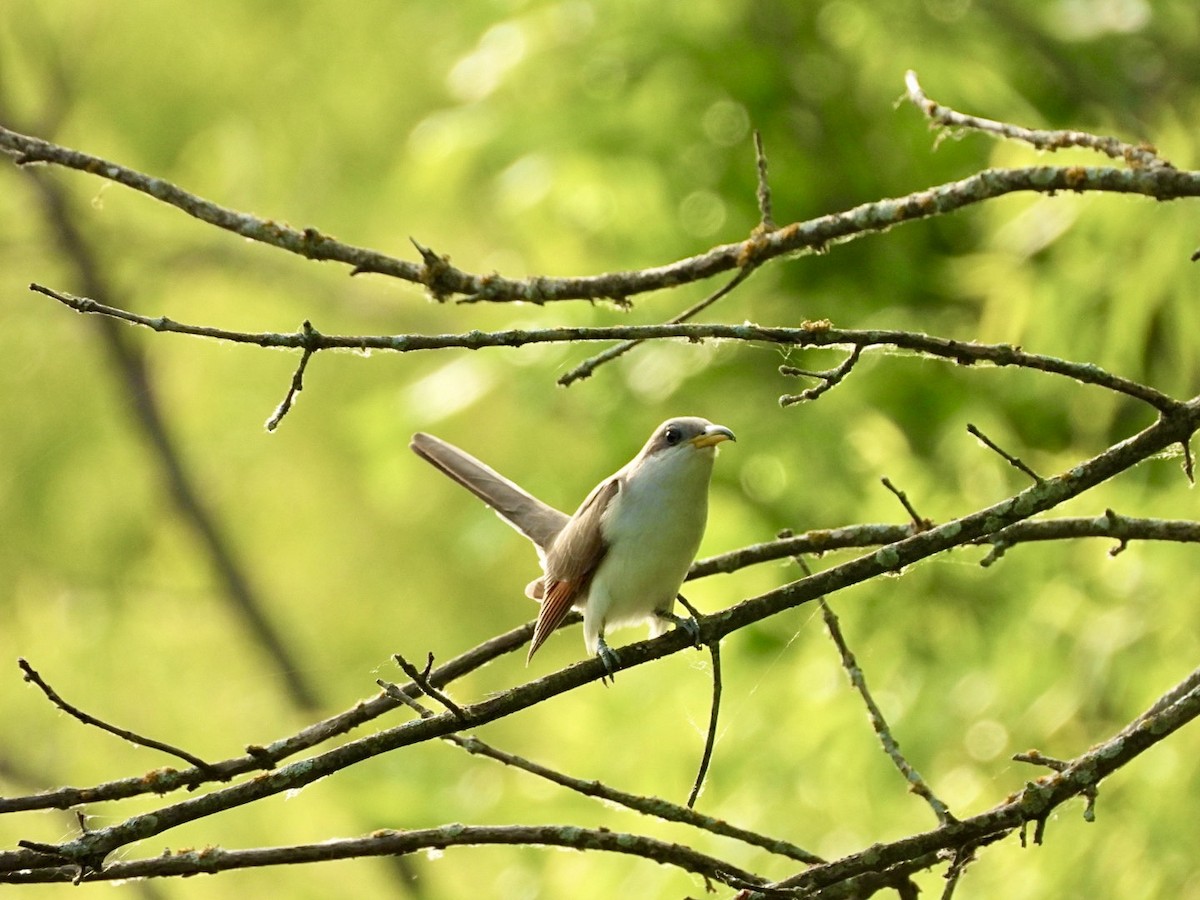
692 627
688 624
610 659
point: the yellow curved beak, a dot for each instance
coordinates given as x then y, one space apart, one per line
713 435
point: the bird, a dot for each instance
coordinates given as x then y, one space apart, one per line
622 556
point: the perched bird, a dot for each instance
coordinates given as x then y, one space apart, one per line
622 556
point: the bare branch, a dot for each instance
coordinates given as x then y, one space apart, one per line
421 679
589 365
818 541
31 675
297 384
766 221
1141 156
891 747
829 378
650 806
810 334
444 280
919 522
714 715
1007 457
1110 525
393 843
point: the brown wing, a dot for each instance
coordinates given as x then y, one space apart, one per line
538 521
571 561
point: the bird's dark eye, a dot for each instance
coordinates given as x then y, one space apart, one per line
673 435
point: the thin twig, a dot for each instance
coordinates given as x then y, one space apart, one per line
31 675
393 690
421 679
589 365
1140 156
920 523
766 221
710 740
1013 461
963 857
651 806
829 378
297 384
916 783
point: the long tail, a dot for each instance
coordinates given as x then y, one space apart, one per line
538 521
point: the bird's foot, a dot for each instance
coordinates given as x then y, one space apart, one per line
688 624
610 659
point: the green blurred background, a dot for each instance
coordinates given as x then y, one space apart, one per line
573 138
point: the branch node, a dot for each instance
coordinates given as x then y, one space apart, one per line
1089 792
1117 528
434 273
999 548
261 755
311 242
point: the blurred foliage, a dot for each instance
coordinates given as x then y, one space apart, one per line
575 137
